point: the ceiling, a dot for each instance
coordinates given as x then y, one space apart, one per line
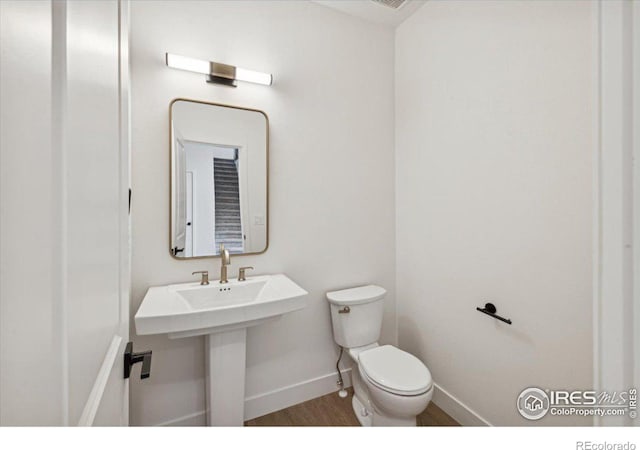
373 11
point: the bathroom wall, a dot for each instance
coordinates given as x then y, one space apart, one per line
332 211
494 110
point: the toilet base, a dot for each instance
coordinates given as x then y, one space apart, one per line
369 416
370 419
364 416
380 420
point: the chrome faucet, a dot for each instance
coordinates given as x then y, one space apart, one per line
225 259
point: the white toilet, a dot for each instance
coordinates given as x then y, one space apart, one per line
391 386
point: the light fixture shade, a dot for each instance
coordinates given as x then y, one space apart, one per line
218 71
186 63
253 77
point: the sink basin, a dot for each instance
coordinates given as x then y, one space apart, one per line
221 313
219 296
182 310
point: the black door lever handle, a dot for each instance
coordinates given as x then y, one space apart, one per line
131 358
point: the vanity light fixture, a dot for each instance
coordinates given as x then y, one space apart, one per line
217 72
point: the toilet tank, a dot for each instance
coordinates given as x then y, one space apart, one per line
360 321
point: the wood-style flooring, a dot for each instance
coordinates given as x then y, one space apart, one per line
331 410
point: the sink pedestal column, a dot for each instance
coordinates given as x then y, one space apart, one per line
225 365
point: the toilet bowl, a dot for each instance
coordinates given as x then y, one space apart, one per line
399 385
391 386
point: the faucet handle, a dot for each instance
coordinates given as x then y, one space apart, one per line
241 276
205 277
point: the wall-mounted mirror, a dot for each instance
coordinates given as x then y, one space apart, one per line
219 181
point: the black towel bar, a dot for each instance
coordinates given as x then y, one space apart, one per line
490 310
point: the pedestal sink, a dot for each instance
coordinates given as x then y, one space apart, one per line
222 313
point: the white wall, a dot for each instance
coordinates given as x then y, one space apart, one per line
614 325
636 190
493 167
331 177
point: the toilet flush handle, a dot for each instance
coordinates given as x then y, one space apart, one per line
344 310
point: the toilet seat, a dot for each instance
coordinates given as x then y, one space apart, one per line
395 371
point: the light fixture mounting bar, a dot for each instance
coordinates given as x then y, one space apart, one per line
218 73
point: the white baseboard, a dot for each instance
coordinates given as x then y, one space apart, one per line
464 415
282 398
259 405
268 402
197 419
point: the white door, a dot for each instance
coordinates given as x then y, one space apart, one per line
64 231
188 244
180 214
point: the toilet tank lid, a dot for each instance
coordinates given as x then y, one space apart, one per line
357 295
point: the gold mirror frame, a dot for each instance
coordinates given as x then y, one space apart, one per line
171 175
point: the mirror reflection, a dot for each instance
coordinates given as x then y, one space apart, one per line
218 179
